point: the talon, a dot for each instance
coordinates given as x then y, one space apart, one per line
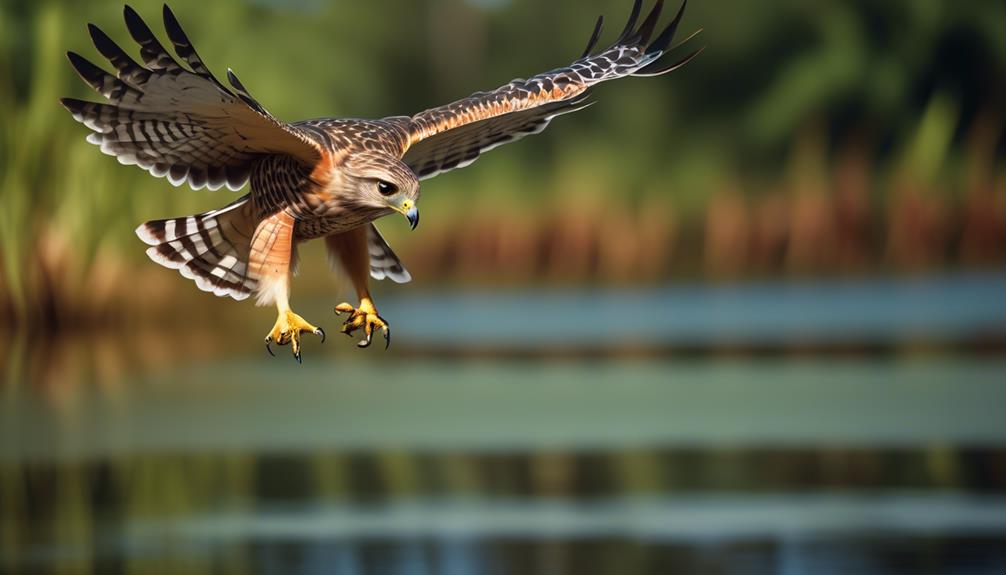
364 317
369 331
287 330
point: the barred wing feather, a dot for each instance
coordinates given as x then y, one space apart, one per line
174 121
454 135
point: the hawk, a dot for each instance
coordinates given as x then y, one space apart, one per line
326 178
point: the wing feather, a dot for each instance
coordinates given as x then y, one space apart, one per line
178 122
594 37
463 145
383 261
454 135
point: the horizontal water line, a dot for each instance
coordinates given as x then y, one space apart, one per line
691 518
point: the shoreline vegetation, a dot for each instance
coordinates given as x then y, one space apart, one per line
655 185
810 225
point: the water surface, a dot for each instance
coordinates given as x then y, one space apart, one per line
501 453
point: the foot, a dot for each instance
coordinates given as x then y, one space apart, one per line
287 330
364 317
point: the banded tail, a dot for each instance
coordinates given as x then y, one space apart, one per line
211 248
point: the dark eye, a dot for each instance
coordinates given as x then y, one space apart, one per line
386 188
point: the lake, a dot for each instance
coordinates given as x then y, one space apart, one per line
836 427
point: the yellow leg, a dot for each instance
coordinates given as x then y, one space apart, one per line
351 249
270 259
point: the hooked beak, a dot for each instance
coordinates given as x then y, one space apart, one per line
411 212
413 216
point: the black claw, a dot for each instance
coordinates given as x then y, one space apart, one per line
387 338
320 332
297 357
268 347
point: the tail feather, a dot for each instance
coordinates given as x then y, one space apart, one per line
211 248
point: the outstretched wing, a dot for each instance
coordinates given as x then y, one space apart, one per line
175 121
454 135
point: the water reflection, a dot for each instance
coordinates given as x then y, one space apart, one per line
168 451
110 499
800 511
627 556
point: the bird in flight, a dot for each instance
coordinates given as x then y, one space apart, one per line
326 178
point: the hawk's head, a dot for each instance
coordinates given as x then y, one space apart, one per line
381 182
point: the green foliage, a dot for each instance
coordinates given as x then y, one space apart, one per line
909 72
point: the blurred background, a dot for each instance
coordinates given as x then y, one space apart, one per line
745 318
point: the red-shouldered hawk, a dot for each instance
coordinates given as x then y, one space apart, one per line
328 178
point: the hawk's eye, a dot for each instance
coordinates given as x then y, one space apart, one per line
386 188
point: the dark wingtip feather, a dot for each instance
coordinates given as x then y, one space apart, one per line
234 80
68 103
75 107
101 40
84 68
185 49
175 32
665 38
646 29
126 68
133 20
105 45
171 24
138 29
594 37
242 92
174 29
79 62
637 7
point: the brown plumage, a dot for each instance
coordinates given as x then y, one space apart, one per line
328 178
